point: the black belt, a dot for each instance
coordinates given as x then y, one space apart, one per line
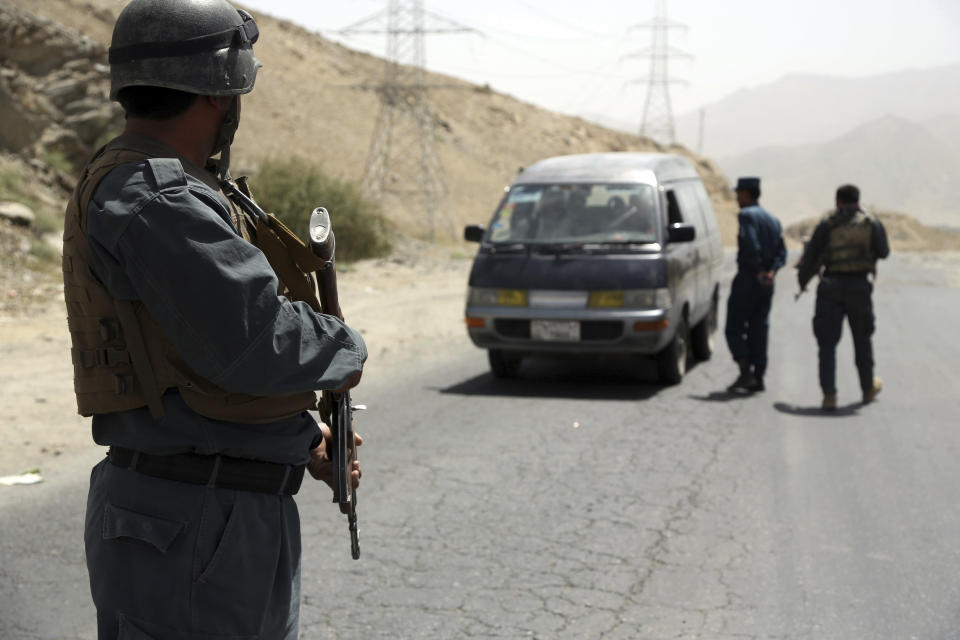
223 472
846 274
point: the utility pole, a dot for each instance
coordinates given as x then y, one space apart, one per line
657 121
403 166
703 117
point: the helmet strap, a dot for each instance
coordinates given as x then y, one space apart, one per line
228 128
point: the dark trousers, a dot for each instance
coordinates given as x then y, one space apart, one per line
175 561
748 321
837 297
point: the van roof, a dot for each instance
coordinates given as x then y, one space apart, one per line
623 166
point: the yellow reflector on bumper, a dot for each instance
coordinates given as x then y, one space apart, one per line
605 299
475 323
512 297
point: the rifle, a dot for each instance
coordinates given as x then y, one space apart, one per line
242 200
343 450
334 407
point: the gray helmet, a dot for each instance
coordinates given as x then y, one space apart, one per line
198 46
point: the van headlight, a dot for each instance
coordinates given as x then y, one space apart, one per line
631 299
483 297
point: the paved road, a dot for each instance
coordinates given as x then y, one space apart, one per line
585 501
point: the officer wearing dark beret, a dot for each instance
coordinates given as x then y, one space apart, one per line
761 252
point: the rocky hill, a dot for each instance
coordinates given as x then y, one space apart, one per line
53 87
307 104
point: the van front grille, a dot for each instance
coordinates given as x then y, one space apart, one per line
601 330
509 328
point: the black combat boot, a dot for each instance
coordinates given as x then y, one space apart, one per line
746 382
757 385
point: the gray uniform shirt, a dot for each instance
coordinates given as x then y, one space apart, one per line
165 238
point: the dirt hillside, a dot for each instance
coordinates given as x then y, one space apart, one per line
307 104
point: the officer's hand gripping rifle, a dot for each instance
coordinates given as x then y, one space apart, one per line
342 449
335 407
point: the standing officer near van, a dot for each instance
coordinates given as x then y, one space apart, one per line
844 250
197 372
760 253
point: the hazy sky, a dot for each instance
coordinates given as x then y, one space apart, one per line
569 55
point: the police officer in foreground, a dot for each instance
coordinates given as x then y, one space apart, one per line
844 250
197 372
760 253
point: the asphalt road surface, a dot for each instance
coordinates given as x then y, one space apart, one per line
585 501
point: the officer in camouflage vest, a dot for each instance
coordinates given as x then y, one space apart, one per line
196 363
844 250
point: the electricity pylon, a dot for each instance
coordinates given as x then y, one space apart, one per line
657 122
403 167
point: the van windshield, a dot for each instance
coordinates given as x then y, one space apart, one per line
577 213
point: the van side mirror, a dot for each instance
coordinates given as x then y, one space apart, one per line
473 232
681 233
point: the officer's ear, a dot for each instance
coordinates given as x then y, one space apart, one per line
220 103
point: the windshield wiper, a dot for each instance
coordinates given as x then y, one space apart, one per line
590 247
497 247
557 247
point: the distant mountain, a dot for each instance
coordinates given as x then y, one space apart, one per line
803 109
898 164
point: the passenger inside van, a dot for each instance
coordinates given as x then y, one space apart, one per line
639 215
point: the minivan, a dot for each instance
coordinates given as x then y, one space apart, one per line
603 253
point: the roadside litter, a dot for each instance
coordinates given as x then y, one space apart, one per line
27 477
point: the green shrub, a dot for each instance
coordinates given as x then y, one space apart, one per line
58 160
291 190
11 188
47 221
43 251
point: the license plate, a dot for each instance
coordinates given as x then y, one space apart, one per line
555 330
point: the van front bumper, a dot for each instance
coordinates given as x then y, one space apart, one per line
639 331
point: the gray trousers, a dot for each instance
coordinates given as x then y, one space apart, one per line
175 561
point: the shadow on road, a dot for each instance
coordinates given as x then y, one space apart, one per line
840 412
723 396
582 378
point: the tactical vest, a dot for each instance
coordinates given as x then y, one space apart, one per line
121 358
850 247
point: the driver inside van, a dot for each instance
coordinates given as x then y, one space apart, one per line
552 218
639 215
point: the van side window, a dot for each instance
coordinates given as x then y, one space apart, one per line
692 210
706 207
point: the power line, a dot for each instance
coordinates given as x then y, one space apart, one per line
554 19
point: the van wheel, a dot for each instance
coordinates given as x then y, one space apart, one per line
672 361
502 364
702 337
